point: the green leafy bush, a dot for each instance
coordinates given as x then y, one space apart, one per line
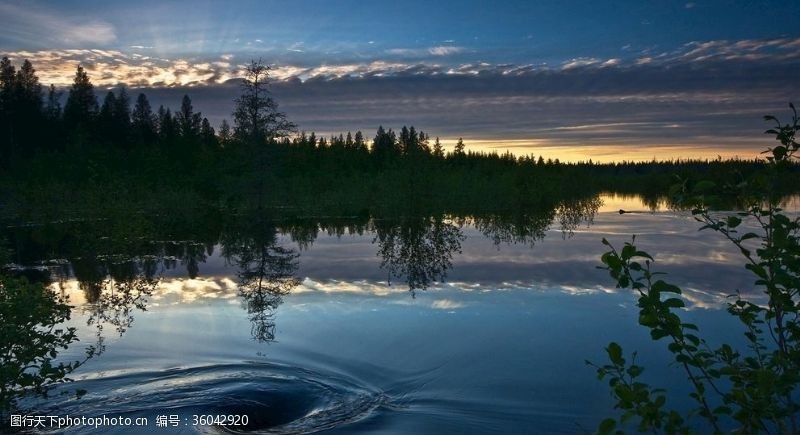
749 390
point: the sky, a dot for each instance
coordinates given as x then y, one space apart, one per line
577 80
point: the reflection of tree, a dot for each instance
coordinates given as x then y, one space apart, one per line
114 288
32 320
531 226
266 272
419 249
521 228
572 213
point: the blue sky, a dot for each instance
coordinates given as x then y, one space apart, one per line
602 77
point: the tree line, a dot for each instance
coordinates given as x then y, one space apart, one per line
35 120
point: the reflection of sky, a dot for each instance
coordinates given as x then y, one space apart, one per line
458 361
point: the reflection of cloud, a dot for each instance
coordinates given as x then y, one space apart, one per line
179 291
447 304
356 287
458 294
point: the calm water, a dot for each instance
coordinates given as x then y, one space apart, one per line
306 334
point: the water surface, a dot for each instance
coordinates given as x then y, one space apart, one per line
432 324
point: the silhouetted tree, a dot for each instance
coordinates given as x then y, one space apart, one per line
28 112
7 83
122 119
167 129
459 147
423 143
52 116
114 119
81 106
256 116
188 121
358 142
438 151
52 108
384 144
224 134
207 136
105 118
143 123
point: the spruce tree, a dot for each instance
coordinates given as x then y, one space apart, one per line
189 122
8 78
143 122
80 109
224 134
256 116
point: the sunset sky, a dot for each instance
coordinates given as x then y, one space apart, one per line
569 79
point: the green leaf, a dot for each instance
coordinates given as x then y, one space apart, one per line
607 426
615 353
628 251
661 286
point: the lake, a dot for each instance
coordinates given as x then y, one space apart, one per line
417 324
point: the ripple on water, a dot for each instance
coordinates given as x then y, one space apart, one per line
276 398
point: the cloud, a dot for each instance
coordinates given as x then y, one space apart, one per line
722 58
746 50
112 67
29 23
442 50
579 62
297 47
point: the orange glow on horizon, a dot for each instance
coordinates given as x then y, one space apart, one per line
610 153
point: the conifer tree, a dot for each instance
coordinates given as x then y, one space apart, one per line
28 90
143 123
438 150
105 118
52 109
359 142
188 121
256 116
207 135
25 113
81 106
122 119
385 143
167 130
224 134
460 147
8 76
53 136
